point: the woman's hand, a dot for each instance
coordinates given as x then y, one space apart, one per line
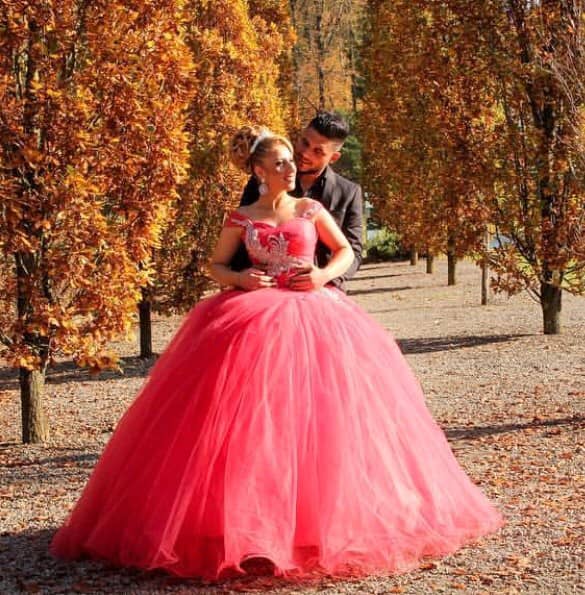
254 278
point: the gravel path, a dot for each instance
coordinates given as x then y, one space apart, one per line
511 401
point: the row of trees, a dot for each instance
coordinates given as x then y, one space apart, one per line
114 118
114 175
473 119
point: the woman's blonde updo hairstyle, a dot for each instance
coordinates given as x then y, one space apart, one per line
246 150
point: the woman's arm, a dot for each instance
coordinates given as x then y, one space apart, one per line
341 259
227 244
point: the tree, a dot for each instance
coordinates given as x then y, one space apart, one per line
502 92
276 17
92 146
536 54
425 127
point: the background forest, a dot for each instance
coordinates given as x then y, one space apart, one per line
468 130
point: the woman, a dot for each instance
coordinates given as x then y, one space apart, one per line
280 425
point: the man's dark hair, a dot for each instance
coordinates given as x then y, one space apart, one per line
331 125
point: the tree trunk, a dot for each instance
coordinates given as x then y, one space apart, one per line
484 283
451 261
451 269
321 87
35 427
353 68
296 61
485 273
320 53
413 256
550 301
144 310
430 263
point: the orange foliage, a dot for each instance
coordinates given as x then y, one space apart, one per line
92 146
425 125
538 54
239 55
327 38
475 114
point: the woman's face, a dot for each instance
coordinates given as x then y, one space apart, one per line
277 169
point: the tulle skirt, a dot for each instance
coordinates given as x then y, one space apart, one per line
284 425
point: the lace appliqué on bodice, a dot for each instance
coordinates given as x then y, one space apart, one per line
274 256
273 253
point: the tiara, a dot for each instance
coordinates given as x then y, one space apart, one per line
263 135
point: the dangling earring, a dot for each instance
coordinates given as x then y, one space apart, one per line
263 188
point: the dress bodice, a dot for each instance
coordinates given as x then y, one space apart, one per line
283 248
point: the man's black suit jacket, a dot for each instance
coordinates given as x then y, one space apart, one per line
343 199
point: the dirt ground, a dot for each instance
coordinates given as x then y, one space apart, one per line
511 401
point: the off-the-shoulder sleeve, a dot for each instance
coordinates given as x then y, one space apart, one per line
235 219
311 209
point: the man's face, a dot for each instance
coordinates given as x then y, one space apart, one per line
314 152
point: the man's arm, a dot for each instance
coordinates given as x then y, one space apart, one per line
353 231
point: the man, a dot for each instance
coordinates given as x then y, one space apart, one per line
317 148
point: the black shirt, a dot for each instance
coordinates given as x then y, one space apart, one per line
315 191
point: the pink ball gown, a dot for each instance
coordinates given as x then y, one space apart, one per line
279 424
